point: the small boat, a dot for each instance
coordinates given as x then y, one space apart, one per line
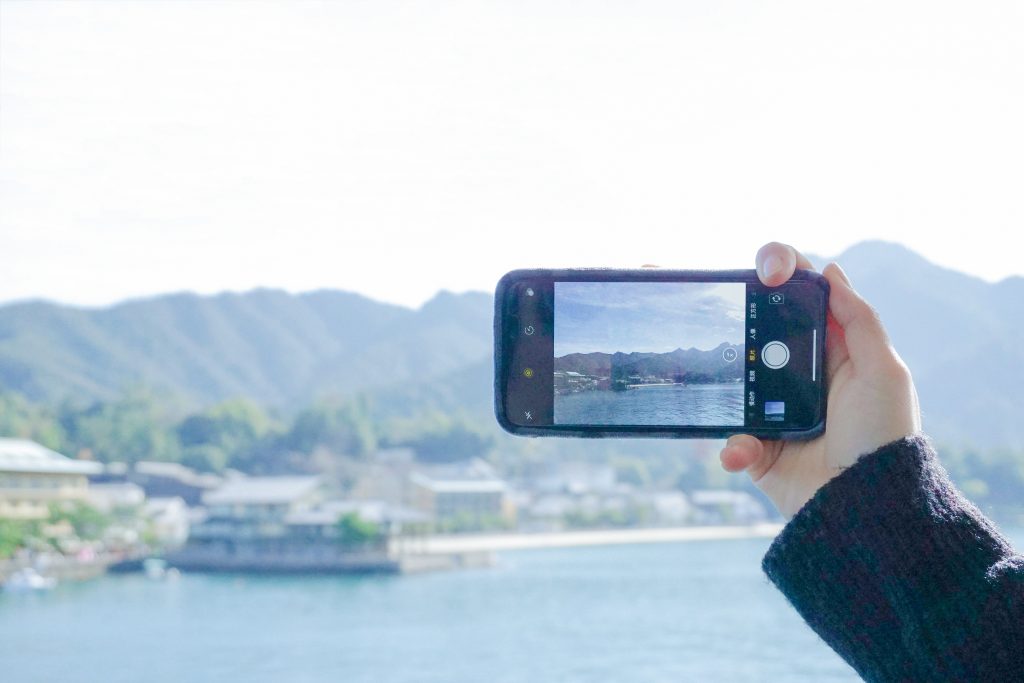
158 570
27 580
155 568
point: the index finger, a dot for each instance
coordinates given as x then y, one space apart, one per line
777 261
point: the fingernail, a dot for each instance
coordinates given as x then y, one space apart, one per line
842 274
771 265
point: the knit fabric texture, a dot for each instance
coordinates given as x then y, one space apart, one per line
901 575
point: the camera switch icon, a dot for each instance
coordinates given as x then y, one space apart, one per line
776 298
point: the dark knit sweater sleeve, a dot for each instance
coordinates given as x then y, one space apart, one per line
901 575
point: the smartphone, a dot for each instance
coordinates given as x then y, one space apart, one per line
660 353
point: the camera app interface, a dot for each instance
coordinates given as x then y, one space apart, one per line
649 353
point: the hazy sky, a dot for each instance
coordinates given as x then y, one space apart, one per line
395 148
645 316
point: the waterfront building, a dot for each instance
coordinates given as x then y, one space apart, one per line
168 518
284 524
546 512
33 476
469 494
571 382
668 507
246 520
574 477
321 522
172 480
384 476
110 496
717 507
260 502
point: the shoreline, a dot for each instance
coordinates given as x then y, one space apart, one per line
413 554
570 539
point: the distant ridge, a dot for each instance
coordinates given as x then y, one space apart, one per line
274 347
690 366
961 336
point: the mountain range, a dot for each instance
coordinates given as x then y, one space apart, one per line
682 365
276 348
962 337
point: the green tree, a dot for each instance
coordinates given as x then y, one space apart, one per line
23 420
457 443
13 534
225 433
204 458
229 425
135 427
437 437
632 471
354 530
341 427
88 522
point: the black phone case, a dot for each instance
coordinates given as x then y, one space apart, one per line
650 274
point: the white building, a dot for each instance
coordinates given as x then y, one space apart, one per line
32 477
576 477
670 507
469 492
256 499
109 496
716 507
169 519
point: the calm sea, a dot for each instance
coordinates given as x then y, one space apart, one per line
696 404
686 611
698 611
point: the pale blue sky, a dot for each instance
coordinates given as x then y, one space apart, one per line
646 316
396 148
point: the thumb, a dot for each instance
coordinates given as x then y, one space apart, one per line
746 452
866 340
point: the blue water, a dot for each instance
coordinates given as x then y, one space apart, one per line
698 611
703 405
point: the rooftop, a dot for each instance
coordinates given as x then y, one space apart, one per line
369 510
459 485
22 455
262 490
178 472
474 468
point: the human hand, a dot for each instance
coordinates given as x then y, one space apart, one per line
871 395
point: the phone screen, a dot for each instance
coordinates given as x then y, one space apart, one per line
649 353
729 355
